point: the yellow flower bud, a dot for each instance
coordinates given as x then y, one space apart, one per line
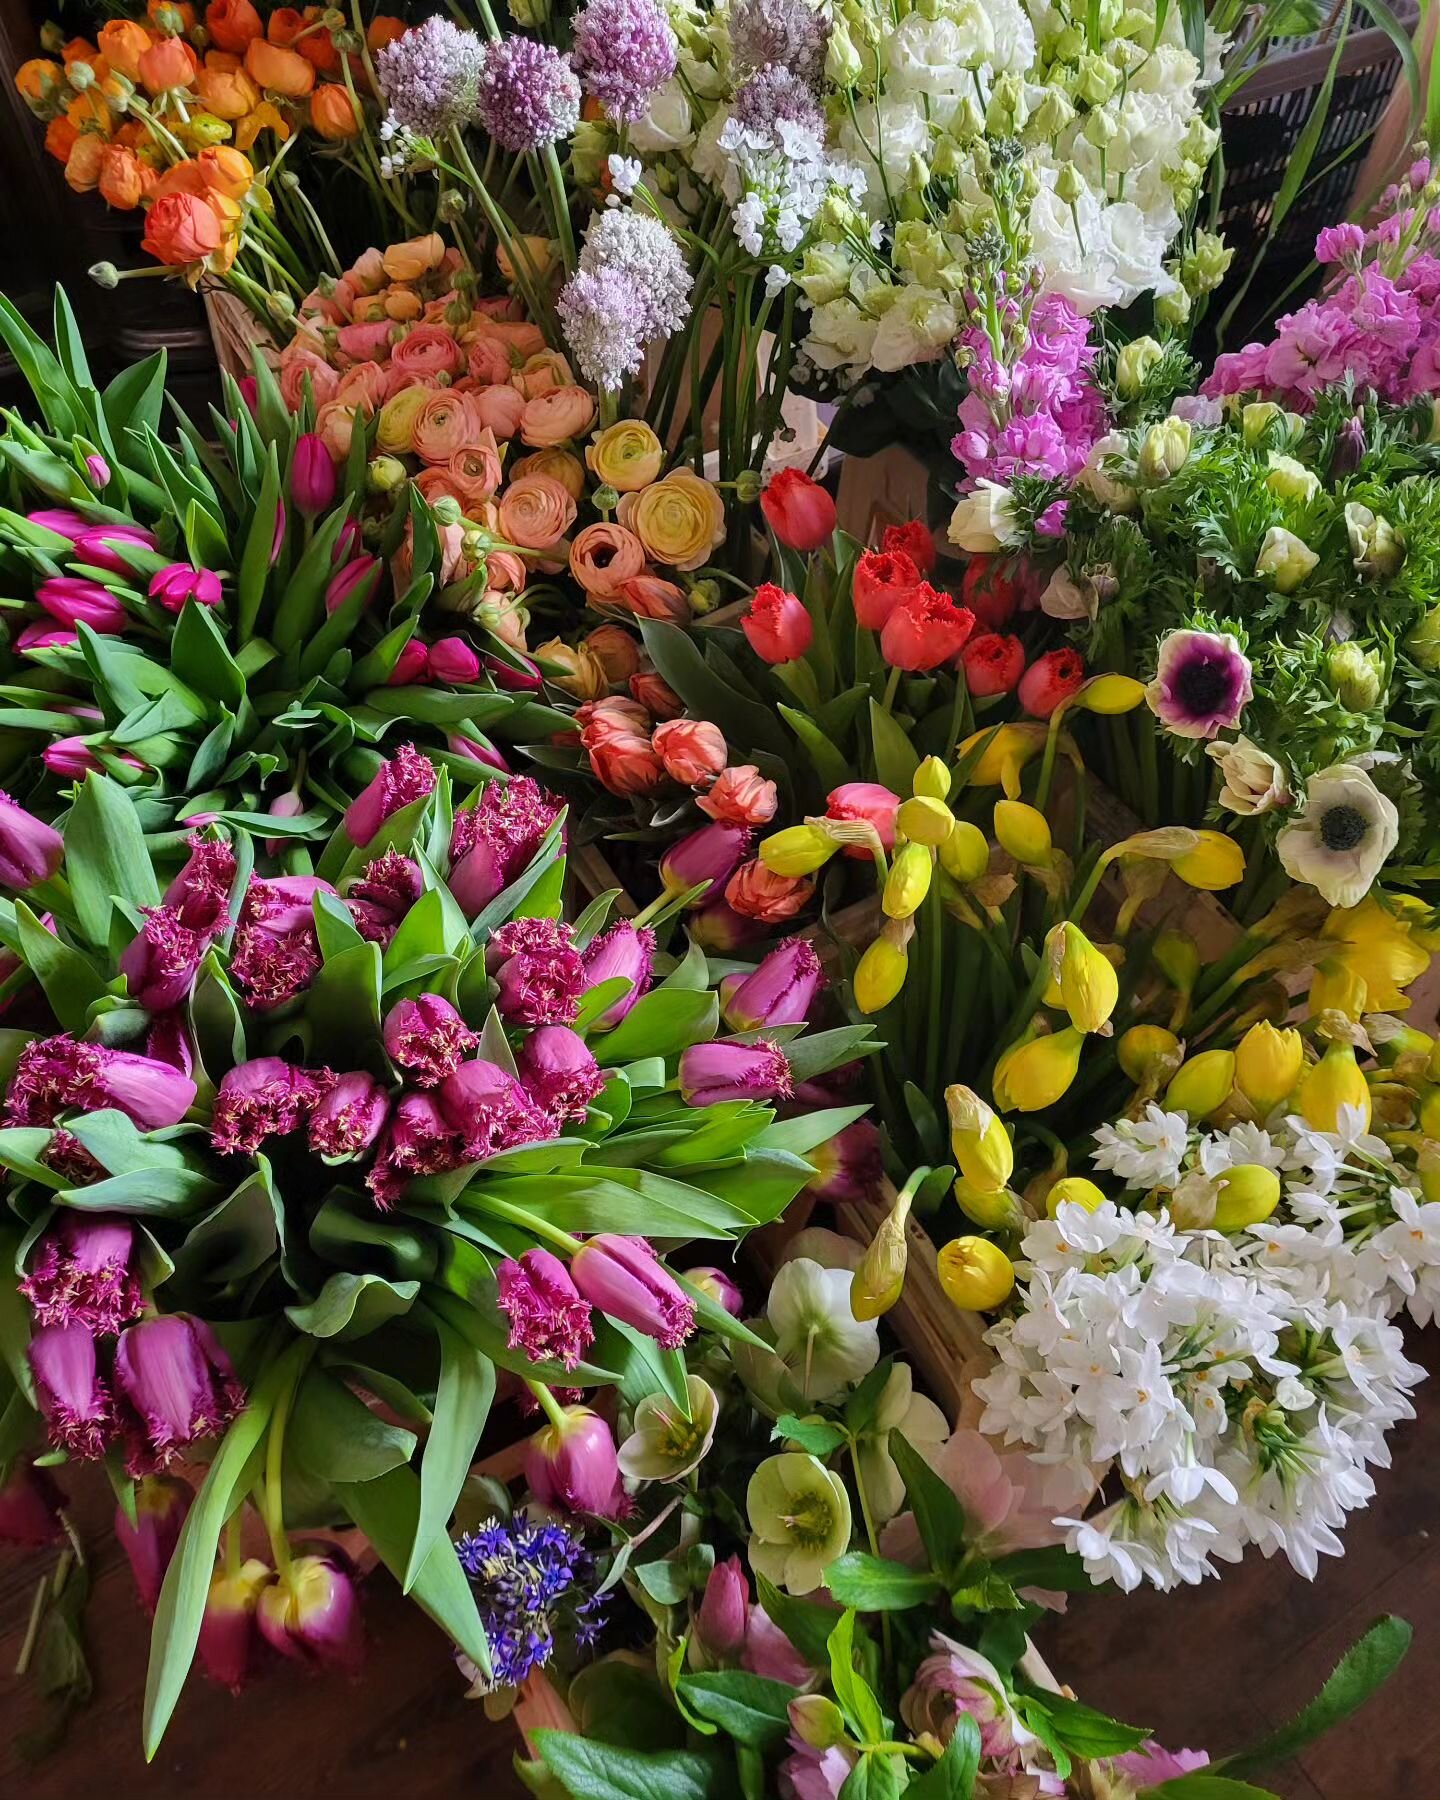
908 881
1142 1047
798 850
1246 1194
1177 959
1215 863
1007 750
1268 1064
880 1276
1034 1073
979 1140
1335 1081
880 974
999 1211
1202 1084
1110 694
932 779
1337 987
925 821
965 855
975 1274
1089 987
1427 1166
1430 1114
1074 1190
1024 832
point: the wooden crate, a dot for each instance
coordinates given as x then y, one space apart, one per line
236 333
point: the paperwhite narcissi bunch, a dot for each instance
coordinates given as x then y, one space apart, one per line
1240 1382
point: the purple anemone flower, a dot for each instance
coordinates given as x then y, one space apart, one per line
1201 685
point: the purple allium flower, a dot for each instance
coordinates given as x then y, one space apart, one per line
624 52
622 1276
778 991
605 320
623 951
265 1097
791 33
529 95
406 777
632 286
175 1384
347 1120
548 1319
30 850
558 1072
417 1141
729 1071
1201 685
531 1582
430 77
427 1038
161 1503
775 93
73 1399
82 1273
383 894
312 1614
491 1111
573 1467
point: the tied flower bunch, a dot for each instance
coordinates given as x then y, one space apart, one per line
260 1120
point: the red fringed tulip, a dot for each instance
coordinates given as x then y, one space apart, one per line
624 951
228 1638
313 479
161 1503
882 580
72 1398
724 1611
176 1384
549 1320
172 587
406 777
779 991
73 600
798 510
621 1276
925 630
1055 677
728 1071
573 1466
81 1272
990 591
777 625
30 1506
992 664
30 850
710 855
312 1615
915 539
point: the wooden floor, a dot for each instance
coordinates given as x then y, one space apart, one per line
1213 1666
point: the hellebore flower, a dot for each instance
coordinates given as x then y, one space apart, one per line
720 1288
30 850
729 1071
406 777
347 1119
664 1445
778 991
770 1653
313 479
573 1466
30 1506
558 1072
1202 683
72 1398
816 1335
311 1613
724 1611
82 1273
799 1517
427 1038
265 1097
623 1278
710 855
798 510
227 1631
174 585
176 1383
161 1503
75 600
549 1320
1346 830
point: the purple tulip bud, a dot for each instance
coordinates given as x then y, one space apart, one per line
277 543
411 666
200 893
724 1611
548 1319
540 987
1350 447
284 806
492 840
62 522
283 903
624 950
574 1467
42 634
727 1071
151 1093
82 1273
849 1166
161 1503
419 1140
176 1381
74 600
313 479
406 777
173 586
72 1397
477 877
30 1506
356 574
97 469
710 855
161 961
622 1276
96 546
472 748
558 1072
718 1285
349 1118
452 660
249 389
265 1097
312 1615
491 1111
427 1038
778 991
30 850
228 1638
522 679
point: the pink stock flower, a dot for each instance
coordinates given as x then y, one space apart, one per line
623 1278
558 1072
72 1398
406 777
573 1466
311 1614
82 1273
427 1038
174 1385
161 1503
714 1072
265 1097
549 1320
173 586
30 850
349 1116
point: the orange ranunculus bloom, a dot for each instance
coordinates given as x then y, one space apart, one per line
135 136
333 114
281 71
319 47
77 49
182 10
232 24
124 179
168 63
60 136
82 166
225 171
89 112
122 43
229 93
383 30
415 257
183 228
265 117
38 79
284 25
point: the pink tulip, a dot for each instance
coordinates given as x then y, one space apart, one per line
355 575
711 1073
452 660
412 665
30 1506
710 855
75 600
30 850
779 991
573 1466
622 1277
311 1614
177 1384
228 1638
313 478
73 1400
161 1503
174 585
406 777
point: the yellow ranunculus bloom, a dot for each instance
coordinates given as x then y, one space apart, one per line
679 519
627 455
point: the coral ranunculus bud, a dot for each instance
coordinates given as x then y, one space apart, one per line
976 1274
1268 1063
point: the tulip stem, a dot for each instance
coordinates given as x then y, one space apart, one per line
32 1629
547 1402
274 1508
529 1221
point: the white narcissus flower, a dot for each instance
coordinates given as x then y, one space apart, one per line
1343 836
799 1517
1253 780
984 519
825 1348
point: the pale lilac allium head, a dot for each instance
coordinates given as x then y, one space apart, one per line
431 76
604 321
528 96
624 52
632 286
790 33
774 93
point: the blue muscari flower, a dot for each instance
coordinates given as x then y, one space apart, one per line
531 1581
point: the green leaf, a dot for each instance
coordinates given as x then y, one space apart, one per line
21 1147
71 984
877 1776
1204 1786
953 1777
819 1051
462 1405
14 1319
830 765
334 1436
353 1305
589 1770
852 1691
678 658
144 1191
896 758
808 1131
752 1709
1052 1567
119 1146
818 1436
938 1514
1085 1732
343 1007
806 1623
255 558
872 1584
105 856
201 658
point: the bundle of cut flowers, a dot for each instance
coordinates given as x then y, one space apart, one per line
297 1164
803 1582
238 629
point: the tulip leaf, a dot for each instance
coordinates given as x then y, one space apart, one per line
148 1190
14 1318
759 1186
591 1770
852 1692
830 766
255 559
820 1051
896 758
645 1368
953 1777
1202 1785
233 1240
21 1149
743 719
119 1146
343 1009
598 1000
334 1436
351 1305
753 1709
105 856
661 1023
808 1131
462 1405
201 658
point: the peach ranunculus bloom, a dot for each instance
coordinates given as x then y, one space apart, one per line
402 304
506 572
496 409
82 166
232 24
335 427
437 483
333 114
756 892
618 652
362 386
518 335
368 342
604 556
442 426
298 365
557 416
282 71
122 42
680 519
560 464
536 512
542 373
415 257
124 180
228 93
741 796
185 231
168 63
428 350
478 466
489 360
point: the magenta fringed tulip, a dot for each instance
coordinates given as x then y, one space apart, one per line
75 600
474 751
348 1119
710 855
728 1071
574 1466
357 573
622 1277
383 893
452 660
718 1285
174 585
624 951
541 986
779 991
406 777
724 1611
30 850
161 961
312 1615
72 1397
152 1094
81 1272
558 1072
418 1141
491 1111
30 1506
411 665
549 1320
200 893
313 479
176 1384
427 1038
161 1503
228 1638
265 1097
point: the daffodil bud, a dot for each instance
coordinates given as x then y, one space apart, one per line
1074 1190
932 779
908 881
1217 862
1177 959
998 1211
924 820
1088 985
1427 1166
1430 1114
1335 1081
965 855
1285 558
979 1140
1246 1194
1144 1050
1024 832
1108 695
880 1274
1268 1064
880 973
1165 450
976 1274
1202 1084
1133 365
1034 1073
1005 754
797 850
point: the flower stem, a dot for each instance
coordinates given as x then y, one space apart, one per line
547 1402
